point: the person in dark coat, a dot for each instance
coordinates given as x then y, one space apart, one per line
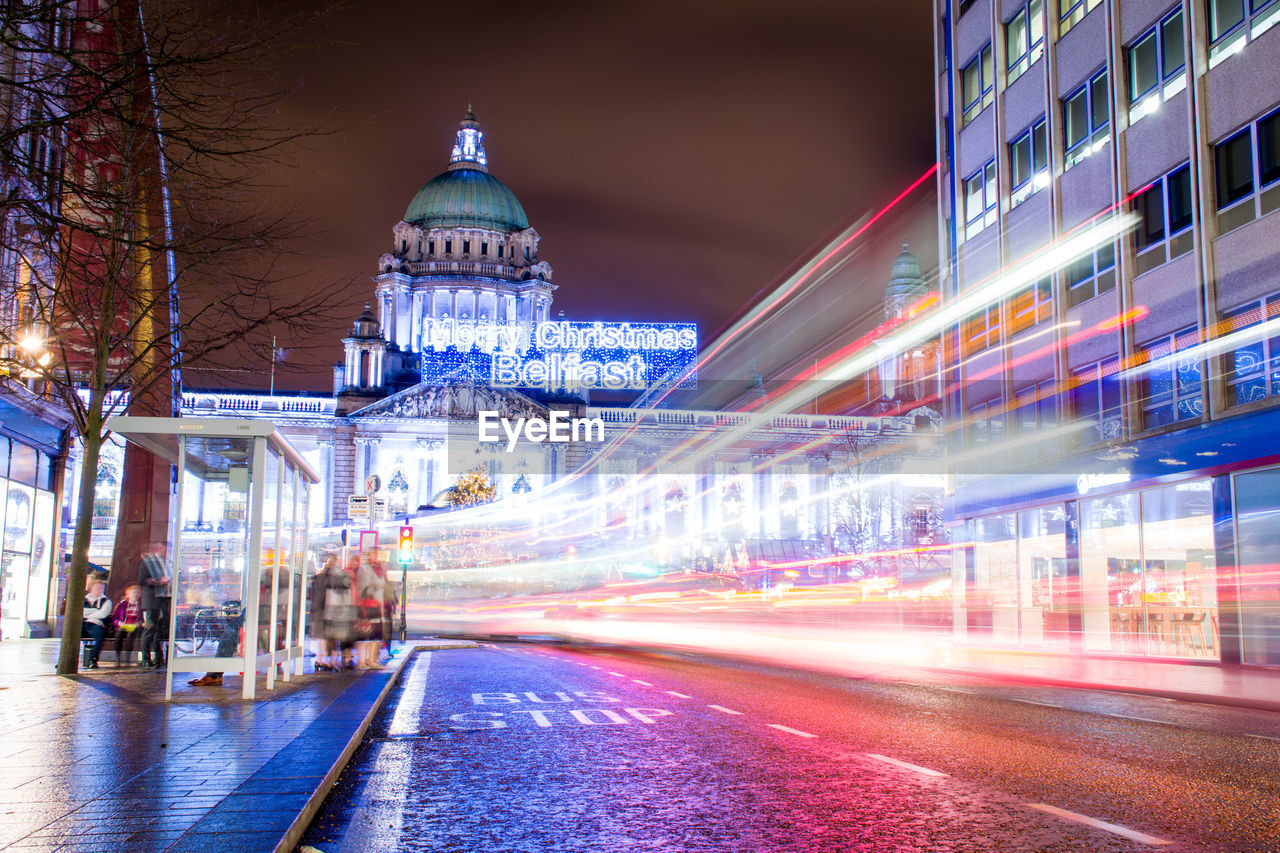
153 577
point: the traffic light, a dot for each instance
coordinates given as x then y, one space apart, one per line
406 544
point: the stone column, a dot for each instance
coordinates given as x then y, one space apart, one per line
820 500
327 475
763 501
415 332
427 448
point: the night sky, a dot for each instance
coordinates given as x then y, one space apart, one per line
675 157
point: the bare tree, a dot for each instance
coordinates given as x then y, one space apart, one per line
147 247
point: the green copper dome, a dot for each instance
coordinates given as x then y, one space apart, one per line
466 195
466 198
905 279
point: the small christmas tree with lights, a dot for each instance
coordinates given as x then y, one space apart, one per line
474 487
471 543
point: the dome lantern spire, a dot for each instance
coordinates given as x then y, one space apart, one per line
468 151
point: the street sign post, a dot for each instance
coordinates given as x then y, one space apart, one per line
358 507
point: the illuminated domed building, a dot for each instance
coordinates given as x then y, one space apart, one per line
463 252
460 326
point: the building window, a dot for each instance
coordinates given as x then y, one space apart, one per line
986 424
1037 411
1237 161
980 199
1086 119
499 250
1024 38
1170 381
1253 368
466 247
1071 12
1028 164
484 249
1091 275
976 84
1031 306
1164 231
1095 400
982 330
448 247
1157 67
431 247
965 5
1234 23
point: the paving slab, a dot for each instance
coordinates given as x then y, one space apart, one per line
99 761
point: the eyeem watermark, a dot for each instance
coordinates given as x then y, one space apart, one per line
558 427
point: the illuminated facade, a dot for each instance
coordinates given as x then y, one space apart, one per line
464 290
1112 422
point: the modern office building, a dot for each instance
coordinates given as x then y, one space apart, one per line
33 428
1114 420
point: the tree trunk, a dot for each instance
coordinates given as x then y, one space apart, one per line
73 615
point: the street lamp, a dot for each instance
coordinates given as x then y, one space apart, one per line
33 344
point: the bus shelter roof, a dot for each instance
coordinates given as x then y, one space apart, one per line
160 436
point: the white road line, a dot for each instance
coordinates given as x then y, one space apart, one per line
678 695
595 667
406 720
638 681
620 675
958 690
384 799
1131 834
905 765
1264 737
1034 702
722 709
1139 719
787 729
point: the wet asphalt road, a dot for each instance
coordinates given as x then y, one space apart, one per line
523 747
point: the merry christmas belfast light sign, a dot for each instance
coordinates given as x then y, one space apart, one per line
555 354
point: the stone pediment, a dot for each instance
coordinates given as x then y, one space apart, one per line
452 400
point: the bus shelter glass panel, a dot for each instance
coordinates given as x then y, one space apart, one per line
265 569
283 569
301 574
210 588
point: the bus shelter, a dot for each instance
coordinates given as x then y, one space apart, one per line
239 550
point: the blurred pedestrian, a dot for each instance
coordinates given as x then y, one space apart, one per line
97 616
127 621
327 659
336 612
153 577
371 591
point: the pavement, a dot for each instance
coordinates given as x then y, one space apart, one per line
100 762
